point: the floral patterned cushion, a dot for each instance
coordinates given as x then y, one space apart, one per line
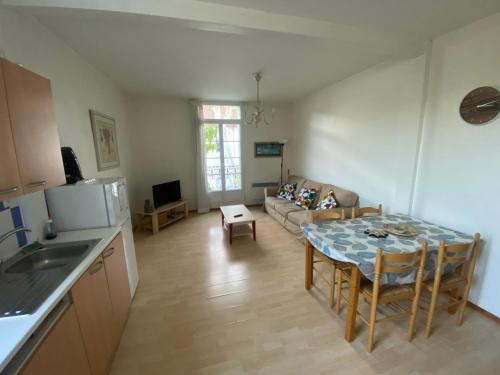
287 191
327 202
306 197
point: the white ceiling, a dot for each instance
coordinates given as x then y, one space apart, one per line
209 48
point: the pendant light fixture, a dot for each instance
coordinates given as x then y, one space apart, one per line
258 116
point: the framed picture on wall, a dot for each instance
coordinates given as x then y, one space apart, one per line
105 141
267 149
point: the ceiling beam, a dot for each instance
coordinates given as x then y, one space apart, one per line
236 17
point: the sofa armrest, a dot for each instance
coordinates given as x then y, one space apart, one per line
271 191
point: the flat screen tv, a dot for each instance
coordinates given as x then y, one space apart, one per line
166 193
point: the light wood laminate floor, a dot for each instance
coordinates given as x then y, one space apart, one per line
204 307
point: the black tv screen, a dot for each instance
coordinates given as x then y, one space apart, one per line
166 193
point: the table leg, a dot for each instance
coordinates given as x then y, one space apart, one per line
230 234
138 219
222 216
309 264
352 306
154 223
254 231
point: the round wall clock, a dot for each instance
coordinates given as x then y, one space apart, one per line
480 105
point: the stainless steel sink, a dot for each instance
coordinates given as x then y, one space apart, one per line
48 258
29 277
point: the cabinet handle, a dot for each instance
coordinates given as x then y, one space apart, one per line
108 252
37 183
9 190
96 268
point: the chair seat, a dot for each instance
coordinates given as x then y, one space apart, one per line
387 293
448 282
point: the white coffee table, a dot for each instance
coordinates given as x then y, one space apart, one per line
236 220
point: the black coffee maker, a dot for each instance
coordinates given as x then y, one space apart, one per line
72 168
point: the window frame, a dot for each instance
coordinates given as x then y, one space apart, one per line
220 123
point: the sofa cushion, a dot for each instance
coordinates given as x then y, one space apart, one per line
306 198
298 217
327 202
299 180
345 198
285 209
287 191
311 184
273 201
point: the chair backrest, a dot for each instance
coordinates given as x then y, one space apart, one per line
400 263
464 255
323 215
364 211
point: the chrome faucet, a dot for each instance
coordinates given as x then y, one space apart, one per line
6 235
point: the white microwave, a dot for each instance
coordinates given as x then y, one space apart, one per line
91 203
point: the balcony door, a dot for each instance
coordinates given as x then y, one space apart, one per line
222 146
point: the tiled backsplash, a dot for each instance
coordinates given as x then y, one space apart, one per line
11 217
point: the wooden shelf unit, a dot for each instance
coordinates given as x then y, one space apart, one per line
162 216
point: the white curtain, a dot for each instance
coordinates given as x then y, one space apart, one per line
201 176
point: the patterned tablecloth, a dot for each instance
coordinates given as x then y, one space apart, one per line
345 241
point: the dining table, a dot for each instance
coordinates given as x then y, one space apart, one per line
346 241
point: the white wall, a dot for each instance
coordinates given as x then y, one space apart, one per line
361 133
164 146
458 183
264 169
77 87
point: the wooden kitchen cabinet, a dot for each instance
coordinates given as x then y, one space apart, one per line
93 308
119 290
34 130
10 182
62 351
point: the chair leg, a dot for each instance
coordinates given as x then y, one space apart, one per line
371 327
413 316
461 308
339 292
430 315
332 286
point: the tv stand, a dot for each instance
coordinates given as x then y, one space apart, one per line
161 216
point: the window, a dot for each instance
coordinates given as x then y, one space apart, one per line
221 134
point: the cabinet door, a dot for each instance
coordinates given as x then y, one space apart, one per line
93 308
10 183
62 351
119 290
34 128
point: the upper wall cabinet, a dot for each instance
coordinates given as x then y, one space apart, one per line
10 183
34 130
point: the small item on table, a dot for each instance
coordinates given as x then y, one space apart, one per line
148 207
377 233
401 230
239 215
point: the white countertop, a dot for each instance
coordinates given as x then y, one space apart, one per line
14 331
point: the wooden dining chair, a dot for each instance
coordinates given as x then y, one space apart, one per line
390 295
345 277
463 258
324 215
333 265
365 211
